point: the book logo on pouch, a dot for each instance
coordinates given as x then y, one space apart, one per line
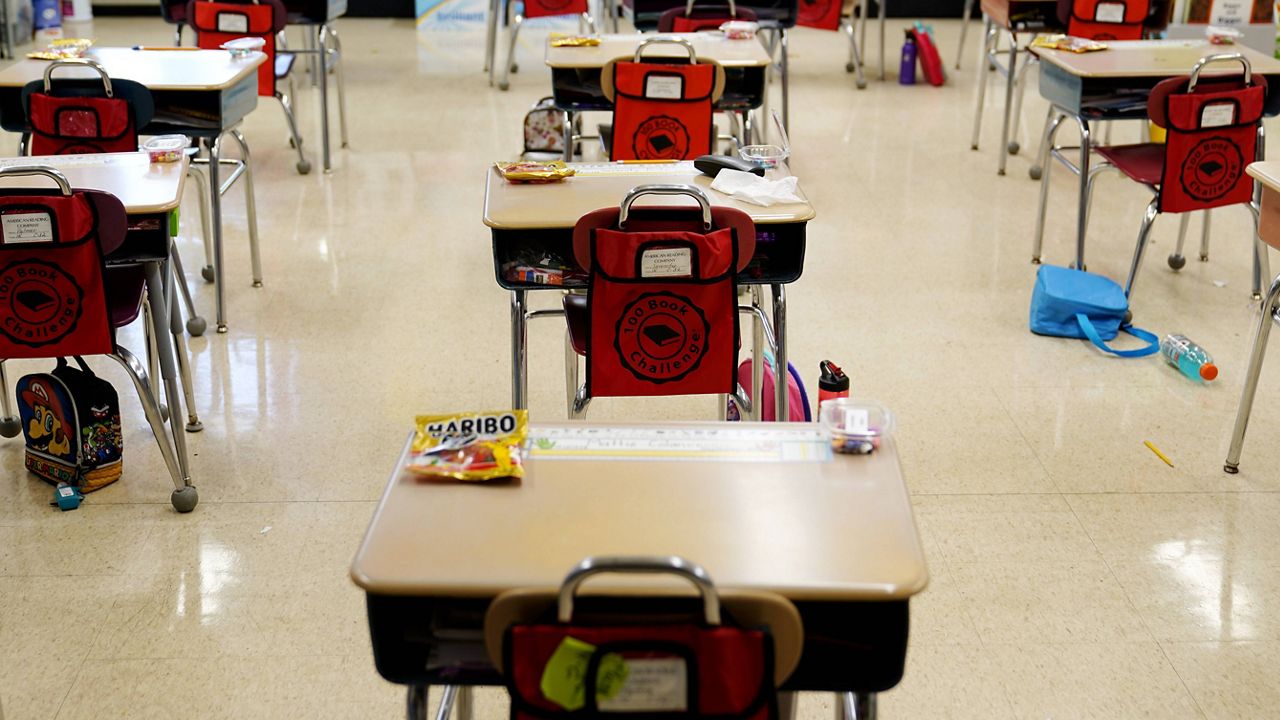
41 303
1211 169
661 137
552 4
661 337
813 10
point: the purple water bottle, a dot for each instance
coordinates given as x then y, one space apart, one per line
907 70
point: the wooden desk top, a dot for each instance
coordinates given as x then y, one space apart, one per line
839 530
509 206
192 70
1267 173
711 45
1153 58
140 185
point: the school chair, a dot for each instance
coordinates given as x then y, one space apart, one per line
529 10
218 21
174 12
660 316
727 651
79 116
662 110
323 46
1015 86
1213 131
702 17
829 15
1269 230
60 298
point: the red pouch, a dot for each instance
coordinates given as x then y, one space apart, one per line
218 22
662 111
821 14
724 672
552 8
63 125
52 298
1212 137
663 313
930 62
1108 19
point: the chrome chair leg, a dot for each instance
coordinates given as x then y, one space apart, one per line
202 182
466 706
964 30
250 208
416 700
341 85
861 706
1021 91
184 497
1204 236
196 325
149 340
787 704
570 374
1010 84
447 700
988 35
1261 261
180 344
1052 119
883 4
304 165
1257 352
510 64
1144 236
786 76
10 425
855 58
1177 260
1050 132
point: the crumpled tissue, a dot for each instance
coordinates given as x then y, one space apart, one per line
756 190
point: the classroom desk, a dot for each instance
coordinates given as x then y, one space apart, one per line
1113 85
575 71
201 93
149 193
524 217
834 534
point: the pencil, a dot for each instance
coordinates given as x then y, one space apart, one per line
1159 454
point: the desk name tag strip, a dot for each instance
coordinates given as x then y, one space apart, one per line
710 444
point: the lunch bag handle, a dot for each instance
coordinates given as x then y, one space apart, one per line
1153 343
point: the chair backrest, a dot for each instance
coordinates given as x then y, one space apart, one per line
219 21
174 12
553 8
702 17
52 296
729 650
1211 135
1104 19
77 115
663 107
662 301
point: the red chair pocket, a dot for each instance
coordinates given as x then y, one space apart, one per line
821 14
63 125
1108 19
1212 137
218 22
662 111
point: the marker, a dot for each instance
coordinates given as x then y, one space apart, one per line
1159 454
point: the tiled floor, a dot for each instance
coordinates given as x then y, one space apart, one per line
1074 574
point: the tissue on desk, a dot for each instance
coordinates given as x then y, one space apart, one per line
756 190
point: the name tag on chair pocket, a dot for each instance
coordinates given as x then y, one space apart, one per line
650 685
1109 13
664 87
233 22
666 262
1218 115
35 227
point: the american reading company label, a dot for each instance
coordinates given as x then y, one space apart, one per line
233 22
666 262
663 87
1110 13
652 685
1218 115
33 227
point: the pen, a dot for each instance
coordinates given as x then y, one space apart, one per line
1159 454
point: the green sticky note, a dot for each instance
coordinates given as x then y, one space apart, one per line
611 676
564 677
173 223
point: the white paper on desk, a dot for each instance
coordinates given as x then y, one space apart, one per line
756 190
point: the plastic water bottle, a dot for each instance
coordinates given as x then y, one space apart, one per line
1188 357
832 383
907 69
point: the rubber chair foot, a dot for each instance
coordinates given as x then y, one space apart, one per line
504 85
194 426
207 273
304 167
1231 469
196 326
1000 173
1128 316
514 68
1035 172
164 412
1177 262
185 499
10 427
850 67
222 329
257 283
1035 261
1204 258
1014 147
973 146
862 84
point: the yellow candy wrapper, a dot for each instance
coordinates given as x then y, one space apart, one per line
471 447
1068 43
574 41
62 49
535 172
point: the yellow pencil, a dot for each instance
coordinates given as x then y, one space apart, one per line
1159 454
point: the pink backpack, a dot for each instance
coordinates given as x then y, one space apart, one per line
797 398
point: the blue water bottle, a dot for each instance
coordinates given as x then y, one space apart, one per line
907 70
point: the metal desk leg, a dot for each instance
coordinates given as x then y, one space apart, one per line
1010 82
988 34
787 706
322 40
757 357
1256 354
180 342
859 706
883 4
864 10
519 349
215 212
568 135
781 378
786 88
1082 211
415 702
158 296
964 29
491 37
10 425
1050 133
465 704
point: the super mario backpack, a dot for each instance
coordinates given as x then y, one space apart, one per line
71 423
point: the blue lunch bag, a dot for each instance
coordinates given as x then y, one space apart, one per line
1078 304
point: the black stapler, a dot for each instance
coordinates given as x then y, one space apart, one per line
713 164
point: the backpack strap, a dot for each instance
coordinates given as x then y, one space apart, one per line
1153 343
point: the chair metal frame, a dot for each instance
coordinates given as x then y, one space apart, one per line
1015 87
511 66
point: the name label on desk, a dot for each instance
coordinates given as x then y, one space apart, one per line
748 443
1109 13
30 227
1218 115
666 262
664 87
